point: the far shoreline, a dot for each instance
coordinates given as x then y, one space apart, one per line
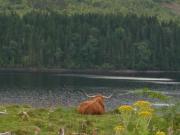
107 72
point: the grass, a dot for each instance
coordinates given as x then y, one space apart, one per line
49 121
125 120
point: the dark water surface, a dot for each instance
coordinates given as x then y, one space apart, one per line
48 89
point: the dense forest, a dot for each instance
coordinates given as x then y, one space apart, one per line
60 38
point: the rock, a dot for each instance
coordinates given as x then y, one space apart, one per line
37 131
2 113
61 131
6 133
24 115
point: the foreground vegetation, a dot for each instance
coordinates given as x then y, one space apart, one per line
24 120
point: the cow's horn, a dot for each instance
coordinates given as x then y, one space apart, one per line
108 96
89 95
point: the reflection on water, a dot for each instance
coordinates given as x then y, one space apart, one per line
118 77
43 89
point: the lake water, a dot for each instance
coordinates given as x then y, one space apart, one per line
50 89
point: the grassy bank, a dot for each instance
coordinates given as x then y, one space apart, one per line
49 121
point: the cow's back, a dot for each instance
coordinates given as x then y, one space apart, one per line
91 107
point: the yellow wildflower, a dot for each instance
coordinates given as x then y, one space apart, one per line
126 108
160 133
119 128
145 114
142 104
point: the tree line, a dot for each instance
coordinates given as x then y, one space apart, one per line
49 39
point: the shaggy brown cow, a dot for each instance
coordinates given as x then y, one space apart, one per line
93 106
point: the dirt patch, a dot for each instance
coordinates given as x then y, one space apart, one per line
175 7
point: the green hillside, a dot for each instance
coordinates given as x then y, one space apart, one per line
139 7
103 34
